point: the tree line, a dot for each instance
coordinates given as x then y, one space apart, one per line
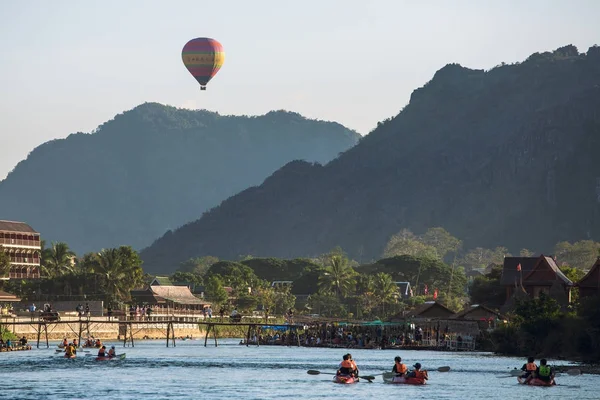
108 275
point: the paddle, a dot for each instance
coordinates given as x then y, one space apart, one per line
315 372
368 378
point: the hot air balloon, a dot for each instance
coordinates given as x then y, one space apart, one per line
203 57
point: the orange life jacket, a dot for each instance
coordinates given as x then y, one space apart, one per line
401 368
530 366
348 364
420 374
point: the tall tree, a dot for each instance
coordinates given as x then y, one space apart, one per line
338 276
525 253
215 291
4 263
580 254
121 271
480 258
486 289
420 271
442 241
58 259
386 290
406 243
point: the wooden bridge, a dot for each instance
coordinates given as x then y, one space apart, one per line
86 327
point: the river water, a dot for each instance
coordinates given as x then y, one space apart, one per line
231 371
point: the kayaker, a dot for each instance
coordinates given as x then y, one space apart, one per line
418 373
545 372
99 343
65 343
75 343
354 367
112 352
346 366
69 350
528 369
102 351
399 368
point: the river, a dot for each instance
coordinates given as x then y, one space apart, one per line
231 371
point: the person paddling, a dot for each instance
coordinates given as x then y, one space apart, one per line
528 369
102 351
112 352
347 367
399 368
69 350
418 373
354 367
545 372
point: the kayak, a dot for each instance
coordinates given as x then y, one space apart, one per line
346 379
401 380
115 358
536 382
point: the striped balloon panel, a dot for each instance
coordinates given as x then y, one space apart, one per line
203 57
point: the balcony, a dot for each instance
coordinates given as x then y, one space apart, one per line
21 273
20 242
25 260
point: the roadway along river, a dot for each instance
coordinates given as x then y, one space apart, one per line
230 371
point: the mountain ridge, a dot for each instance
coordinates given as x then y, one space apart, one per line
153 168
484 154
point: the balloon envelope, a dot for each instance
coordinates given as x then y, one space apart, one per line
203 57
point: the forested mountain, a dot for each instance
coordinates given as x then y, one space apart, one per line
507 157
154 168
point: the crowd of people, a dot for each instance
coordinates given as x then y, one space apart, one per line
9 345
140 313
349 336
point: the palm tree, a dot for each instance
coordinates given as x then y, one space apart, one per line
385 289
58 259
338 276
120 270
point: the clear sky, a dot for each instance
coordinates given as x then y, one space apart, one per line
68 66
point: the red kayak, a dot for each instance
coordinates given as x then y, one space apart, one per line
401 380
345 379
536 382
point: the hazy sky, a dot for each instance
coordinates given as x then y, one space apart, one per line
68 66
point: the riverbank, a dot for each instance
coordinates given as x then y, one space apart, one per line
105 328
